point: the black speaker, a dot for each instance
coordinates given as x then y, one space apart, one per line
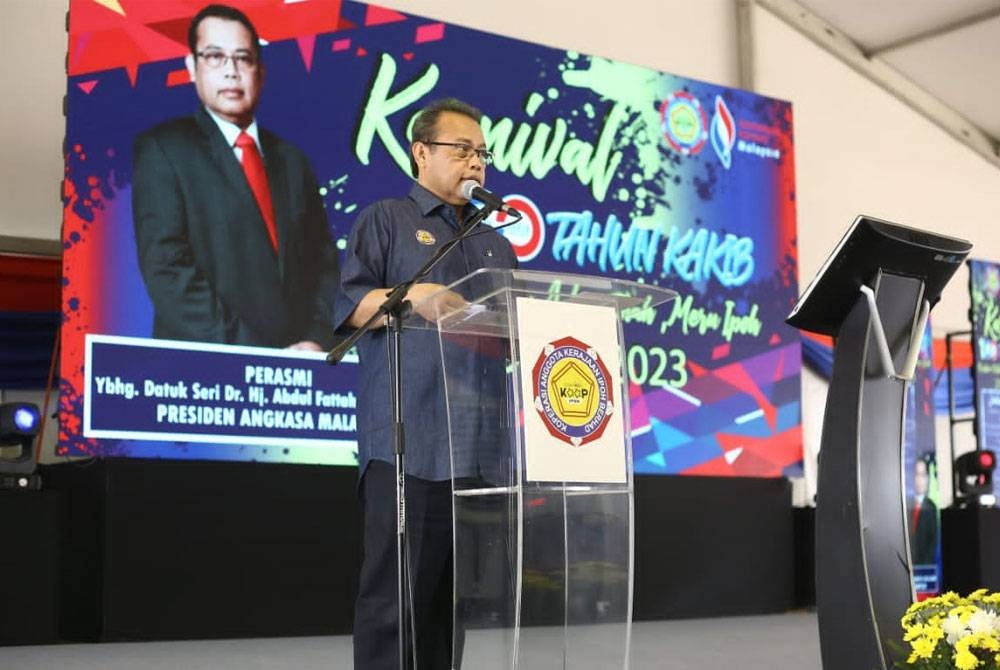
970 548
29 567
193 549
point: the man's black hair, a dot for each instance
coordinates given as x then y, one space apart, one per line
222 12
425 125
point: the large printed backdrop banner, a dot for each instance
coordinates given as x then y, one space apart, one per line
620 170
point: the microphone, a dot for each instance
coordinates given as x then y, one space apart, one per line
471 190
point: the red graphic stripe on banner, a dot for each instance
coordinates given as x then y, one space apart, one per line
178 78
376 16
430 33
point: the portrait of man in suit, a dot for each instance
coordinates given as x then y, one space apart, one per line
232 238
923 516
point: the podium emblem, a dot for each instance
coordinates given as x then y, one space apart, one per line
573 391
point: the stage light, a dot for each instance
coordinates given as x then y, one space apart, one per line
974 471
19 423
26 419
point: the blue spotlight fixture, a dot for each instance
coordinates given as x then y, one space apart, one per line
19 423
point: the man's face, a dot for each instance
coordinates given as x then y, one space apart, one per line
920 478
232 89
441 170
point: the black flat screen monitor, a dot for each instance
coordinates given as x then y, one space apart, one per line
868 246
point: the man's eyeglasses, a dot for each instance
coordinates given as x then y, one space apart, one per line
244 61
464 151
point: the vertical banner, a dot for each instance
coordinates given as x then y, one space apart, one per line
619 171
921 474
984 286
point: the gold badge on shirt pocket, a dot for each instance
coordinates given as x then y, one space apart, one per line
425 237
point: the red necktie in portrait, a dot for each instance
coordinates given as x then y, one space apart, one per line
253 168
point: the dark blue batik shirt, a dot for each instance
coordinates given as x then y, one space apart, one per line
387 246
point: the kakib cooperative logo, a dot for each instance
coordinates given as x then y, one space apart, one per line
572 389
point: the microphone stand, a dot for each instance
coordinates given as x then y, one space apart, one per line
395 308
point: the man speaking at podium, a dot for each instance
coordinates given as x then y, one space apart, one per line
233 241
389 243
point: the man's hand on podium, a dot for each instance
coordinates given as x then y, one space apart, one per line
433 300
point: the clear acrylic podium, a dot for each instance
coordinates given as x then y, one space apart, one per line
543 555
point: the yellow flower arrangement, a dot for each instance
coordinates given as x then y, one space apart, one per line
950 632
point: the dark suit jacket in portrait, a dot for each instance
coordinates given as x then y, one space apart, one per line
923 536
204 251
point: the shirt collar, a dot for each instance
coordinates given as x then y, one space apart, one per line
428 202
231 131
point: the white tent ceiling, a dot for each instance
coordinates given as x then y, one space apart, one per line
950 48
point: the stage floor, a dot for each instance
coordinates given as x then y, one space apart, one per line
788 640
